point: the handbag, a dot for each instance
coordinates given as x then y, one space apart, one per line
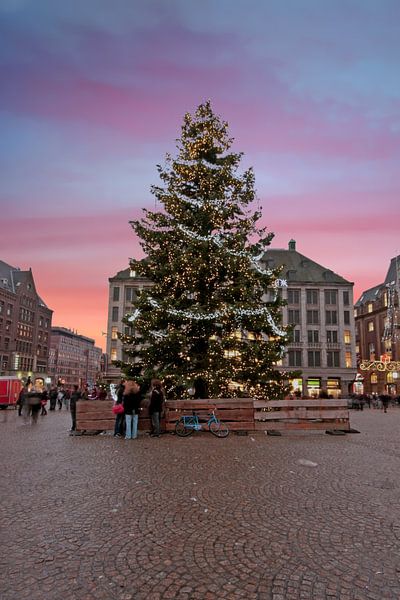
118 409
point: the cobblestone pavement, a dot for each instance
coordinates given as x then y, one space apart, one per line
297 517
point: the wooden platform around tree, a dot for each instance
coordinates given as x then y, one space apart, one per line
239 414
316 414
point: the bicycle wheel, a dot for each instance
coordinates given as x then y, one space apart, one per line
182 430
219 429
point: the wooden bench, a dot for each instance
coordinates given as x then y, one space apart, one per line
97 415
236 413
281 415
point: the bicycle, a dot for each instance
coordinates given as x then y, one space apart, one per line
189 423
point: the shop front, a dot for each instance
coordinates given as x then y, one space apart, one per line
313 387
333 387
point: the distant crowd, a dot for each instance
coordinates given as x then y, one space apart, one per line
128 398
377 401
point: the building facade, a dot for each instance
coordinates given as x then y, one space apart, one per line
25 325
124 288
319 308
73 358
377 320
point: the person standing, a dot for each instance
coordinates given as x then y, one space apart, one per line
43 403
385 399
60 397
34 399
156 407
119 417
75 396
21 400
53 398
131 399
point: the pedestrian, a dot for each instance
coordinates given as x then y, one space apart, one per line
75 396
157 399
385 399
66 399
34 399
20 401
60 397
119 417
53 398
43 403
131 399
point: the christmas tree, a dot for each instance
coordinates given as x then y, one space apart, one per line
205 322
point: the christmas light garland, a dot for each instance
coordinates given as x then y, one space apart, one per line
196 316
217 239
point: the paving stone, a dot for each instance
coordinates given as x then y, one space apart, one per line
88 518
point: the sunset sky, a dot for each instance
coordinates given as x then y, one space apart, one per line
92 96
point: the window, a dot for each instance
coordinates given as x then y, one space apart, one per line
294 357
114 333
293 297
313 336
346 298
371 350
312 317
312 296
330 296
389 377
116 294
331 317
295 336
347 336
314 358
130 294
374 378
371 326
332 358
293 317
331 336
132 273
370 307
113 354
114 313
346 317
348 362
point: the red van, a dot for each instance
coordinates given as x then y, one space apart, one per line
10 388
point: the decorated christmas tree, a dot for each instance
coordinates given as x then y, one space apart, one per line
205 323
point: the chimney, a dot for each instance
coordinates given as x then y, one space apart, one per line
292 245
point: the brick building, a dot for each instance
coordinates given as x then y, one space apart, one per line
25 324
377 320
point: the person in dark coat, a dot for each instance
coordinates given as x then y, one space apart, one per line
53 398
119 418
34 399
131 399
157 399
385 399
75 396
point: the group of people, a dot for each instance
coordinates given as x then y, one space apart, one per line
34 397
381 401
129 398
